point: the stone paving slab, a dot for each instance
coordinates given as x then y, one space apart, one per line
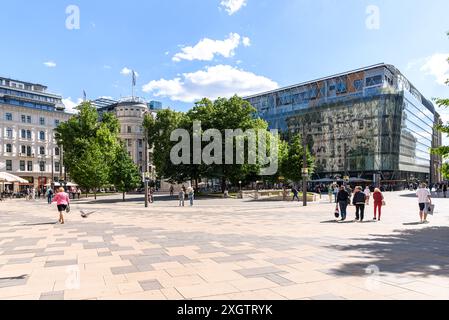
221 249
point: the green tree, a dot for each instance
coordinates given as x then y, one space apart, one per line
444 128
445 171
124 173
89 171
89 146
291 162
159 130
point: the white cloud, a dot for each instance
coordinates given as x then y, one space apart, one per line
206 49
211 82
437 66
126 72
70 105
232 6
246 41
50 64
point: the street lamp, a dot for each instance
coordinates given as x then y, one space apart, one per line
240 183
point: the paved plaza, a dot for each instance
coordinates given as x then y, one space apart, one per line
221 249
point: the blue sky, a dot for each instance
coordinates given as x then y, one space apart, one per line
183 49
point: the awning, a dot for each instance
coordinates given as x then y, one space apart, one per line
8 177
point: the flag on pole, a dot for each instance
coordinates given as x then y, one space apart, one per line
134 78
84 95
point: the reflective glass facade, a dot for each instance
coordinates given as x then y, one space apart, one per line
366 122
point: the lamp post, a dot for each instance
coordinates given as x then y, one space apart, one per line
240 183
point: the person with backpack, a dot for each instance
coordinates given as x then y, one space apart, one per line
49 194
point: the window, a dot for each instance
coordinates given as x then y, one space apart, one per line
42 135
57 123
130 143
22 165
42 121
29 151
23 134
29 119
140 143
9 133
8 165
8 117
57 151
9 148
373 81
129 129
57 166
358 85
24 118
42 151
30 166
341 87
140 156
23 149
42 166
28 134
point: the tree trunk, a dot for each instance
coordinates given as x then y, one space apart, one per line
223 184
95 195
124 196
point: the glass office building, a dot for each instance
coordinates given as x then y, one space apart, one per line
370 123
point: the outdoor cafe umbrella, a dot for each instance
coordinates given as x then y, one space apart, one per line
8 177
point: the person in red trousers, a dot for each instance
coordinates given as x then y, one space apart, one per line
378 203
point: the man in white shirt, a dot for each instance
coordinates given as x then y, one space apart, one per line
424 200
367 194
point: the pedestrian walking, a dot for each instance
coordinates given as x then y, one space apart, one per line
367 194
359 201
295 194
182 198
445 190
172 191
379 201
336 190
49 195
191 194
330 193
63 202
343 201
424 200
151 195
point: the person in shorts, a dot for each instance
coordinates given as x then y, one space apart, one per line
424 200
63 201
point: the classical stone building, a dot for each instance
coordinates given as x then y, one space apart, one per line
28 117
131 112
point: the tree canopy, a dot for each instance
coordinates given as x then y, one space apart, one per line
93 154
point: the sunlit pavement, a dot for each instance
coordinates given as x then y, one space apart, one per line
221 249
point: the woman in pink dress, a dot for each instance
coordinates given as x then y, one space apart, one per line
63 201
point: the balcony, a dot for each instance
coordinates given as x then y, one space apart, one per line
26 155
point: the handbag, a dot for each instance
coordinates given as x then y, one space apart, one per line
430 209
68 208
384 203
337 213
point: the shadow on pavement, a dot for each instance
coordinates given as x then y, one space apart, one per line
40 224
423 252
22 277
